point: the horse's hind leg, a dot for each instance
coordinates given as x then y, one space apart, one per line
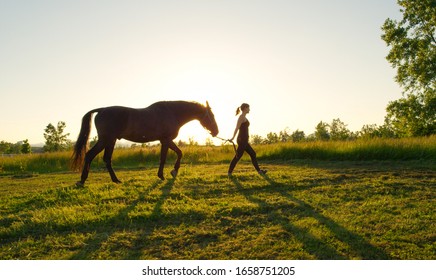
176 149
108 151
90 155
163 158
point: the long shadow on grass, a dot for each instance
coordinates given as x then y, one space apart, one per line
101 232
142 227
114 224
145 225
320 249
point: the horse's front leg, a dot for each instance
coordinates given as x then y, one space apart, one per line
176 149
163 158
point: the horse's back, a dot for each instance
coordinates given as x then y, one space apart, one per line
111 121
113 113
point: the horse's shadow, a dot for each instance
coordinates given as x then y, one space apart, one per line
319 248
104 232
144 226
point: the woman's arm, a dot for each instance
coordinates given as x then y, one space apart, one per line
238 125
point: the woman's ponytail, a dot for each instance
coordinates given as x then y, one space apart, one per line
238 110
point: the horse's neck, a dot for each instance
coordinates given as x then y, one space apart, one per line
190 113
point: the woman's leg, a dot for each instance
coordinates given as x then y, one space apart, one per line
237 157
252 154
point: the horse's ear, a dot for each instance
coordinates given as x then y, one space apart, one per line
207 105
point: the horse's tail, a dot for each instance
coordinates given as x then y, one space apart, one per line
82 141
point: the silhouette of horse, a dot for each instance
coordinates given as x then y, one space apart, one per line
160 121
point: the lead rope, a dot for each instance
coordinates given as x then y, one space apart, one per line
227 140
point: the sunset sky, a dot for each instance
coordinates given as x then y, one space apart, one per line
295 62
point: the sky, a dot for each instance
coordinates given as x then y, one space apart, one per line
295 62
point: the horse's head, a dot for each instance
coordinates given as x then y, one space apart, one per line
208 121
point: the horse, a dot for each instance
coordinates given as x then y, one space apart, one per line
160 121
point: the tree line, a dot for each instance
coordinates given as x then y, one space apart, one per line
21 147
334 131
55 140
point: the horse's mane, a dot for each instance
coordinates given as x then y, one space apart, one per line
178 103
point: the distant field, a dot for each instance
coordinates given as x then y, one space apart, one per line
423 148
303 209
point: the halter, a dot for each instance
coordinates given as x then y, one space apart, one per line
206 115
210 120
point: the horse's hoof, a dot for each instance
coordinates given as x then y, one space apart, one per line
161 177
117 181
174 173
80 184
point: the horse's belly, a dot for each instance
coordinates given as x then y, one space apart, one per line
139 138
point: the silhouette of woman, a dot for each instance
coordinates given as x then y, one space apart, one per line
243 136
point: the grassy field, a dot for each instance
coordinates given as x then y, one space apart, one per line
423 148
303 209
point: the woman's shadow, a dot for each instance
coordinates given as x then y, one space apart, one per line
321 249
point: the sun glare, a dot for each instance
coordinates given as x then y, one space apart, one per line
201 82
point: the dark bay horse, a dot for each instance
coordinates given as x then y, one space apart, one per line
160 121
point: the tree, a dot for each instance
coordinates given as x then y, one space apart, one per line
5 147
209 142
412 43
298 136
272 138
192 142
284 135
181 143
339 130
413 116
93 141
257 139
25 147
369 131
55 138
321 131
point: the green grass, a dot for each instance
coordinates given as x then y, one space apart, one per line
303 209
375 149
423 148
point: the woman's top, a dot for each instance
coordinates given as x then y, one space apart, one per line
243 132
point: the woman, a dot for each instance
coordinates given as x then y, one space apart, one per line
243 136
